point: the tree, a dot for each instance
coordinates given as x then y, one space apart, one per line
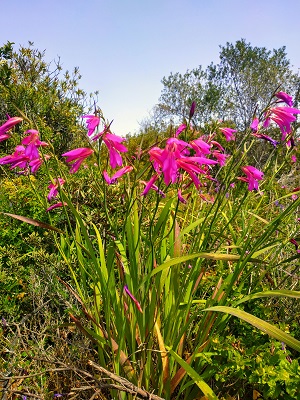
248 77
233 90
181 90
48 99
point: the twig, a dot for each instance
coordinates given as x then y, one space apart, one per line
125 383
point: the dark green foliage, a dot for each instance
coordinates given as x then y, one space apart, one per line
47 98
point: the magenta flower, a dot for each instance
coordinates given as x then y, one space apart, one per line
117 175
285 97
201 148
293 158
127 291
77 156
283 117
37 162
253 176
92 122
266 137
220 157
228 132
192 109
4 136
32 141
56 205
150 185
181 198
113 143
254 124
180 129
17 159
10 123
54 188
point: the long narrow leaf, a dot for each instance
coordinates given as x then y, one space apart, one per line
33 222
270 293
271 330
203 386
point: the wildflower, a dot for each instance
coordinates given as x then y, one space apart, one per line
253 176
283 117
56 205
192 110
17 159
220 157
78 156
285 97
254 124
54 188
127 291
181 198
92 122
200 146
115 147
37 162
32 142
4 136
180 129
10 123
150 185
293 158
117 175
228 132
266 137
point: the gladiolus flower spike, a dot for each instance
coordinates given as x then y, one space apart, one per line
77 156
253 176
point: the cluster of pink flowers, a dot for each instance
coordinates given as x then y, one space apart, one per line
179 161
26 156
282 116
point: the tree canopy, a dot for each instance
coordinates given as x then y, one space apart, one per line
236 88
39 91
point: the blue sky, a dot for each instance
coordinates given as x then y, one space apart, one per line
124 48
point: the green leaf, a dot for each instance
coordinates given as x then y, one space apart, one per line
270 293
33 222
203 386
271 330
210 256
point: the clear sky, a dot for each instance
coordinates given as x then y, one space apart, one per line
123 48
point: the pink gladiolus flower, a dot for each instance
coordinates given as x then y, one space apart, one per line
253 176
4 136
201 148
113 143
117 175
220 157
266 137
17 159
54 188
180 129
254 124
10 123
285 97
32 142
127 291
56 205
181 198
78 156
37 162
92 122
283 117
192 109
150 185
228 132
